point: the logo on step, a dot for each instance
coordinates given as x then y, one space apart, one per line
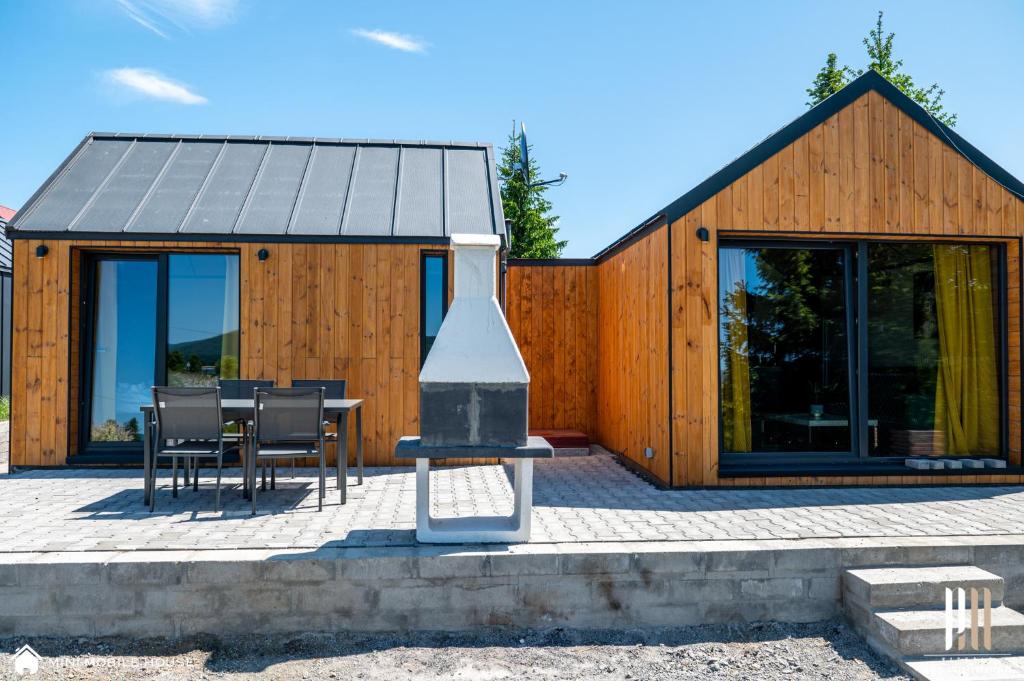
968 627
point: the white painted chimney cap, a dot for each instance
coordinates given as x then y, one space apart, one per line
480 240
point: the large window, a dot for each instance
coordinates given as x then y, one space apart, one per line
169 319
862 349
933 353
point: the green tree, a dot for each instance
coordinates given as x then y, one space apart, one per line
882 60
176 361
830 79
195 365
533 228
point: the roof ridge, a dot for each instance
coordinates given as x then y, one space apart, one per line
346 141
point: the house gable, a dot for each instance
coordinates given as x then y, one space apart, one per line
867 158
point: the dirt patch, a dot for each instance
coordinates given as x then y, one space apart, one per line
826 651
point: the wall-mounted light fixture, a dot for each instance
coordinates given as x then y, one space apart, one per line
42 250
262 254
703 234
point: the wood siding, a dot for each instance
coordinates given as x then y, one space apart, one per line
595 339
632 350
309 311
868 171
552 311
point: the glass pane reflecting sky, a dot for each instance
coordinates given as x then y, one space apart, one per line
434 295
202 318
125 346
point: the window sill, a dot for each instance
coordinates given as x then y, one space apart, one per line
866 469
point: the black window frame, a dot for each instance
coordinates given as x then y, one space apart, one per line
856 289
124 452
424 256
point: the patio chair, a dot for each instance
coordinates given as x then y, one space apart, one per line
235 389
240 389
288 424
189 424
334 389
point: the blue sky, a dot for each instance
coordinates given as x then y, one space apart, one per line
636 101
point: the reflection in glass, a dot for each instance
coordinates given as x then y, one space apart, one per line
124 342
933 349
202 319
435 293
783 350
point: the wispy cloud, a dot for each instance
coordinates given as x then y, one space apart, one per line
153 84
159 16
396 41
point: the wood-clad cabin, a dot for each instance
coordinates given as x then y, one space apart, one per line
149 259
841 298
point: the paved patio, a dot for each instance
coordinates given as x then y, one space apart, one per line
576 499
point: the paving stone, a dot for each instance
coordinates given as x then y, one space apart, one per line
586 499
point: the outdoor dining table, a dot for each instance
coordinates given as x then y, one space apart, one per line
235 409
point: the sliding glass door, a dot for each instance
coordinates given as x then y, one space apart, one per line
162 319
785 349
202 319
123 348
934 349
861 349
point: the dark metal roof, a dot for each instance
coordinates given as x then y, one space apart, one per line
266 187
6 251
818 114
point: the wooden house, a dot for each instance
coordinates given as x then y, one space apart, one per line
843 297
148 259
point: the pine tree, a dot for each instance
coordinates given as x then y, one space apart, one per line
533 228
879 44
880 52
830 80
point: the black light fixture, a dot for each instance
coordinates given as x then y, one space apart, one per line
42 250
703 234
262 254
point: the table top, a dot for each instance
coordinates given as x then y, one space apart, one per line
330 405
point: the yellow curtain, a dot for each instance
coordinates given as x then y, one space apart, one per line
736 429
967 392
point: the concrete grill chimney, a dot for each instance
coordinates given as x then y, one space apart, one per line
474 387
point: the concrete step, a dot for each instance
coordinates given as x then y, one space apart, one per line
1007 668
923 632
915 587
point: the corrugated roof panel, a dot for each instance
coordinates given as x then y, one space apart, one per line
115 203
273 197
72 190
468 193
372 203
420 208
176 190
322 200
221 200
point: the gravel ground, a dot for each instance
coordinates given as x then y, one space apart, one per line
770 651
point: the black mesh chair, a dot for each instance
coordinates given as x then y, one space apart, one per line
288 424
190 425
235 389
334 389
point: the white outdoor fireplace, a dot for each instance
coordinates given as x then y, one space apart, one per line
474 400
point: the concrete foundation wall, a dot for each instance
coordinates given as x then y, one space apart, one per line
165 593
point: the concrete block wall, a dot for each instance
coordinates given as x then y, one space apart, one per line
164 593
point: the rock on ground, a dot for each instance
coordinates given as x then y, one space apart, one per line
764 651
